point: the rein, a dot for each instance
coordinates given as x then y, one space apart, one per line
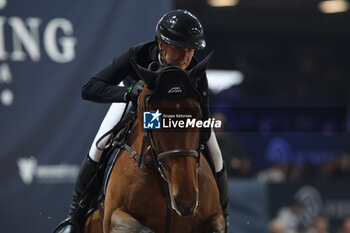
160 171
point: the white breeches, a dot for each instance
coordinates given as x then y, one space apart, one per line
215 151
114 115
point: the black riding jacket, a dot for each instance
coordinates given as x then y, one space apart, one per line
103 86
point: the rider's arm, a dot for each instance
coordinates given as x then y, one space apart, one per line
103 86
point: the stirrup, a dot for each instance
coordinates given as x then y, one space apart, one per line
67 222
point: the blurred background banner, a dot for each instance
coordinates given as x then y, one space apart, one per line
279 81
48 50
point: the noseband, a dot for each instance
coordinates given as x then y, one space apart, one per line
177 153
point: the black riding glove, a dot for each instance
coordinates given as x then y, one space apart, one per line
134 91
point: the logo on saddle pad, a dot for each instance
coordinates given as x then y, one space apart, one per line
175 90
151 120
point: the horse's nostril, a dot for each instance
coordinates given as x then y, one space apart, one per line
185 210
193 207
178 204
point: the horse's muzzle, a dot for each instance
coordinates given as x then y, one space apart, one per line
185 210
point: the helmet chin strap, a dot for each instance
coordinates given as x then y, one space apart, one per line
161 61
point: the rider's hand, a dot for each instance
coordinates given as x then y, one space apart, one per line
134 91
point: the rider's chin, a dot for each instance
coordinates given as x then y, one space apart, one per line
181 65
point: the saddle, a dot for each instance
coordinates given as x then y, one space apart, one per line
118 135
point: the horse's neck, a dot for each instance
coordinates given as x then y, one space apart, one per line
136 132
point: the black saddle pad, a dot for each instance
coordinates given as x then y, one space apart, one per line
109 168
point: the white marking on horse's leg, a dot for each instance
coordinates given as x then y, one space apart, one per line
122 222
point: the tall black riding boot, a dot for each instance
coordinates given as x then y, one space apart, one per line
86 187
221 180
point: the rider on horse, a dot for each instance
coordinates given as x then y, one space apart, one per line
178 34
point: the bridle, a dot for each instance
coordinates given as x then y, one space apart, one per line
160 156
149 146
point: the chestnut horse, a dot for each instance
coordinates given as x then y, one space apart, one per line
161 182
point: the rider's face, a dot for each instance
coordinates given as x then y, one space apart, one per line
175 56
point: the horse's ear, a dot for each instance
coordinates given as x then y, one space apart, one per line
146 75
197 72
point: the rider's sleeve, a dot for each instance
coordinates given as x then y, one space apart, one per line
103 86
204 91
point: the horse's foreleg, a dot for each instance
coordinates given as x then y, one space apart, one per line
94 223
122 222
216 224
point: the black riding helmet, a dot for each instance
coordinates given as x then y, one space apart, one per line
182 29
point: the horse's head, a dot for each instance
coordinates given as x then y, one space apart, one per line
172 92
